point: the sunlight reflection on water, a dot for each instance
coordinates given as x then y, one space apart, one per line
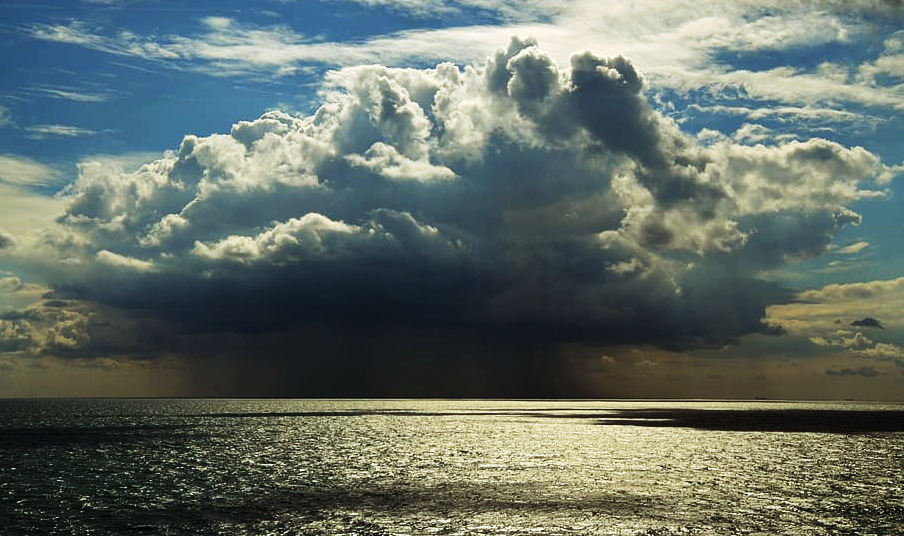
449 467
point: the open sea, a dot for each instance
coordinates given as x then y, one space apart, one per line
449 467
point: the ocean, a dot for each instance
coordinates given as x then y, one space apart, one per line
449 467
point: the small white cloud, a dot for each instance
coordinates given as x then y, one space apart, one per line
121 261
752 133
287 70
217 23
857 342
854 248
626 267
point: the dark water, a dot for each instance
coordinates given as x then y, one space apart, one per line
449 467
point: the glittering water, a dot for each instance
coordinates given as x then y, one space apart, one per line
449 467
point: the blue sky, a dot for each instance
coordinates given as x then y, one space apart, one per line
577 198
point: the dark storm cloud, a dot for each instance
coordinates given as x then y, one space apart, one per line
507 206
868 322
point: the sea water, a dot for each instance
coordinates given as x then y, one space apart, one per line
494 467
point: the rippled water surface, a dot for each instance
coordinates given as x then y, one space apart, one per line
449 467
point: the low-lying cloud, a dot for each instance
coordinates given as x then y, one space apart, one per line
865 372
868 322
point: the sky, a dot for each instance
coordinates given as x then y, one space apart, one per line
474 198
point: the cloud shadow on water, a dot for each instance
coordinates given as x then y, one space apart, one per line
829 421
832 421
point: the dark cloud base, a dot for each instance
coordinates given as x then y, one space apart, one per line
347 362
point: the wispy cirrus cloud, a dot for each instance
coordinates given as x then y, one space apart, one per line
506 11
777 112
808 117
25 209
40 132
788 84
679 45
70 93
23 171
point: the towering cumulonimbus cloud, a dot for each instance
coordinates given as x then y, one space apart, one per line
517 199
